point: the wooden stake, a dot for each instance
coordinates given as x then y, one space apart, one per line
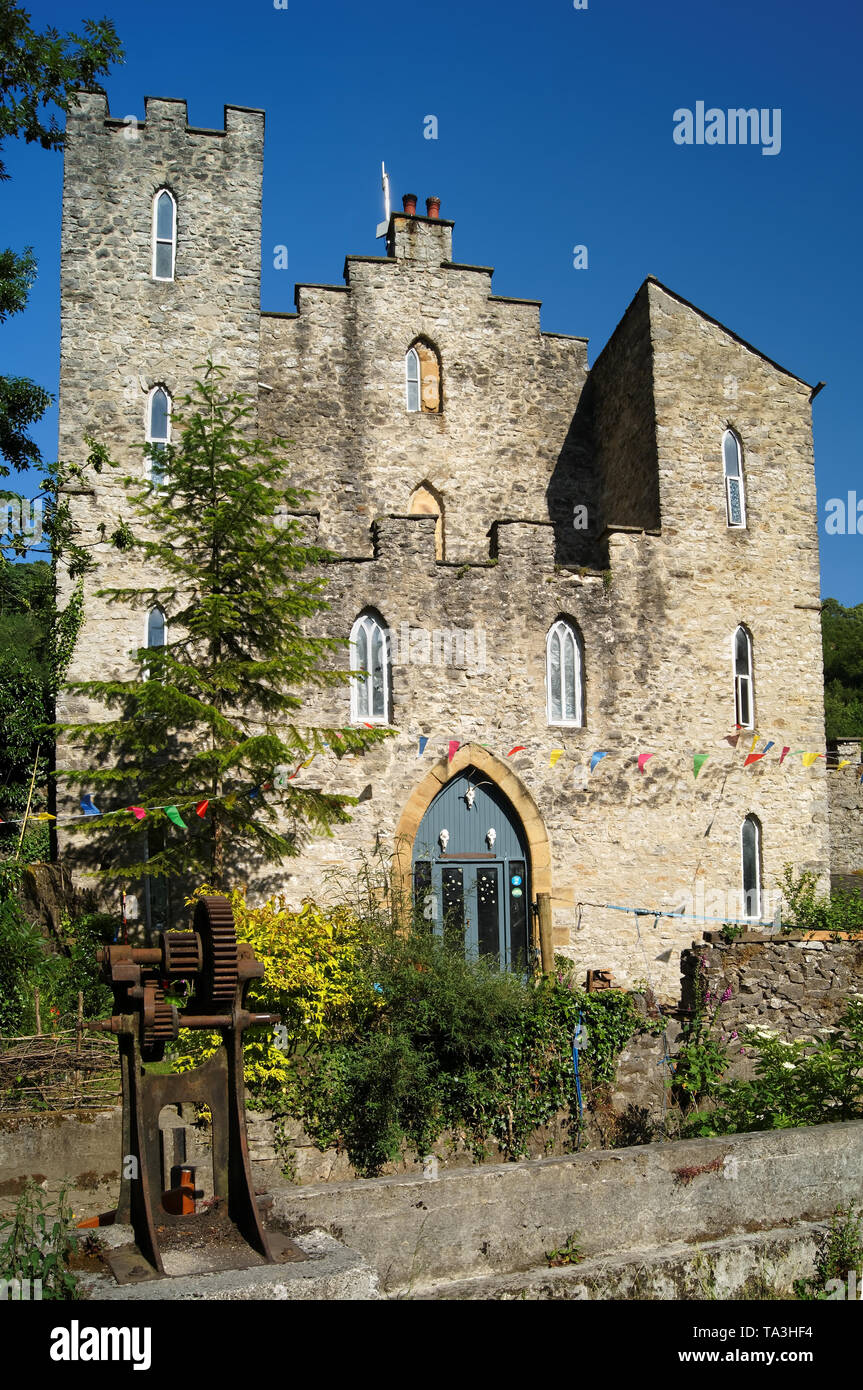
545 935
38 1014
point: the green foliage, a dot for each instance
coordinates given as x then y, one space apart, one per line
840 1250
214 712
838 911
842 638
701 1060
795 1083
729 932
22 958
568 1254
431 1042
74 968
38 1242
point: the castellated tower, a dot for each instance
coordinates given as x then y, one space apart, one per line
558 561
134 332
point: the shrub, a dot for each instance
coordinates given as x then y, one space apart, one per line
39 1242
839 910
796 1083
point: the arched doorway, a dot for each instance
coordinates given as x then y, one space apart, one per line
471 870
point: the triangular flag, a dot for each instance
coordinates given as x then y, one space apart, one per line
767 747
367 724
698 761
174 815
422 748
201 808
231 801
733 739
256 792
846 762
595 758
783 755
138 812
643 759
43 815
754 741
454 746
87 806
519 748
752 758
810 758
556 754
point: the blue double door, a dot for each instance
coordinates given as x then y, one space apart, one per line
471 871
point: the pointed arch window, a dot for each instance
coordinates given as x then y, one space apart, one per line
744 695
750 849
732 459
158 431
157 635
423 378
370 702
564 675
164 235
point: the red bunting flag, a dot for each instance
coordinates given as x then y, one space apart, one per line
642 760
733 739
753 758
784 754
454 746
519 748
201 808
138 812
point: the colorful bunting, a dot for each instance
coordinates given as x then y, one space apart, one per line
519 748
422 748
698 761
86 804
43 815
174 815
201 809
454 746
138 812
733 739
752 758
785 751
768 746
810 758
595 758
556 754
643 759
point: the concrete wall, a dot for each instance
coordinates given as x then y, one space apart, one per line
506 1217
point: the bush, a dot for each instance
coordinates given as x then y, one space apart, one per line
796 1083
839 910
39 1241
22 958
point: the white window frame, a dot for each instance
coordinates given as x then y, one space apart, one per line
562 630
151 395
164 241
369 622
748 677
150 611
741 524
413 356
759 890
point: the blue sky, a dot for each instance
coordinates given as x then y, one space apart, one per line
554 130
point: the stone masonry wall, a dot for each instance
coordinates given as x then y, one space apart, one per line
845 793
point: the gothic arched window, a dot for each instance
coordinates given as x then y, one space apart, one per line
564 681
164 235
158 431
732 460
370 655
157 635
422 378
744 694
750 846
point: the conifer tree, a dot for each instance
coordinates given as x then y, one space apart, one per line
212 715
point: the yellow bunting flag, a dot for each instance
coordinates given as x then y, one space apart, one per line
556 754
810 758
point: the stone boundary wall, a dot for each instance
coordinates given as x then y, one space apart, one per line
785 983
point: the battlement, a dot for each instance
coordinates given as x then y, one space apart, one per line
160 114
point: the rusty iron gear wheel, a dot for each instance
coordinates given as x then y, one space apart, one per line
159 1024
214 923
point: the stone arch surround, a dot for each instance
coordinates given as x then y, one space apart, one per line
506 781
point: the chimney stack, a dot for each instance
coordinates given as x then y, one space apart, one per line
433 207
409 201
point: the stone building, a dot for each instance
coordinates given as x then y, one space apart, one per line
533 555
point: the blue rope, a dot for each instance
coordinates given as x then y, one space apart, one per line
575 1048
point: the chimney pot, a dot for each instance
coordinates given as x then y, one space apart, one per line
433 207
409 201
